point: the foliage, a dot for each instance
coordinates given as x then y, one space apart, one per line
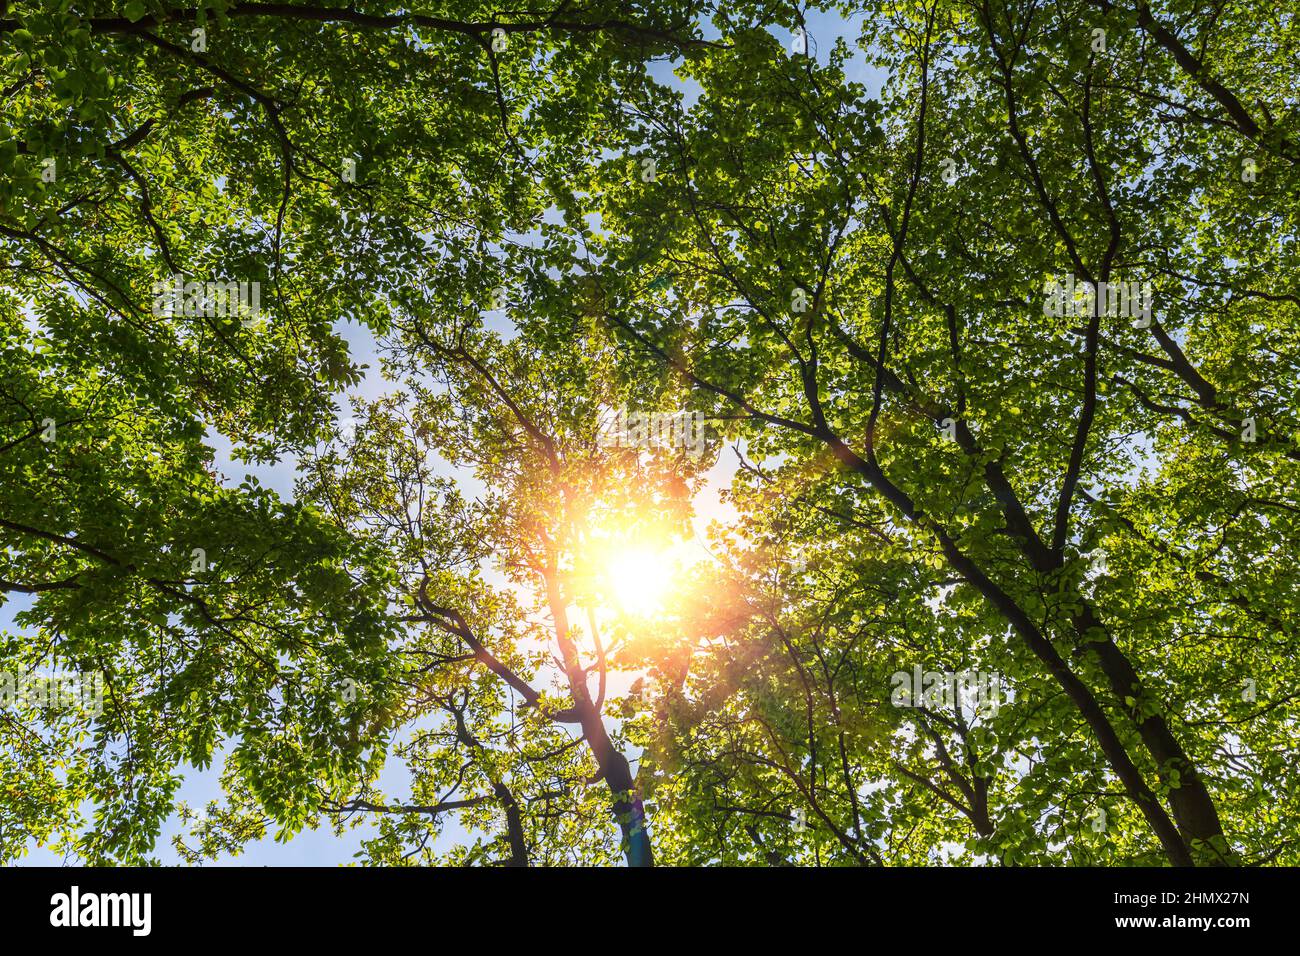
932 471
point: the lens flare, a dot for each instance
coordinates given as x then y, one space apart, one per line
640 579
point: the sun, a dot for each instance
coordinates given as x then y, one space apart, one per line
640 579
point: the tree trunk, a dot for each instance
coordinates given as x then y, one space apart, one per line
613 766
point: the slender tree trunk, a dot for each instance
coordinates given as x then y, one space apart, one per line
1171 840
1190 801
629 811
612 764
514 826
1192 805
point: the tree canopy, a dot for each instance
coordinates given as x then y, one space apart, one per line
988 309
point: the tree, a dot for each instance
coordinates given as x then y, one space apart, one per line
879 308
284 147
1006 354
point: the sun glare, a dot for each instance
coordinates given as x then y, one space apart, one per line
640 578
